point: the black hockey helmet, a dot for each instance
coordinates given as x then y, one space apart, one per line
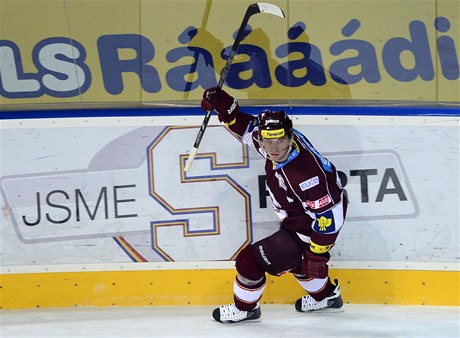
274 124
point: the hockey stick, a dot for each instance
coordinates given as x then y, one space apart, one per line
252 9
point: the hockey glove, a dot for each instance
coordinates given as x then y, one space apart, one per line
225 105
315 265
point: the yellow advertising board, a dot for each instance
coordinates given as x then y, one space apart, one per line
156 52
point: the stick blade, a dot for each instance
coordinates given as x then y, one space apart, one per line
270 9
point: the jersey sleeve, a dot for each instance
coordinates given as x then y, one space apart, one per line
324 202
326 228
242 125
322 196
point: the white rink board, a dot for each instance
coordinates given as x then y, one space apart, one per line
110 185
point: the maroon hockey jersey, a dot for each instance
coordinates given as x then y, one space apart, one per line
305 189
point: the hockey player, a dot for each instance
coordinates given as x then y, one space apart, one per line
309 200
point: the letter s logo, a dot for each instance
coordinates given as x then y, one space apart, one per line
211 216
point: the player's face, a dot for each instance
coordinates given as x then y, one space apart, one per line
277 148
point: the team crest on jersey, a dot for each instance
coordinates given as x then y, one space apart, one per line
325 223
281 181
310 183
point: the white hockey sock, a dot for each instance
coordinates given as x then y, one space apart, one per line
312 285
247 294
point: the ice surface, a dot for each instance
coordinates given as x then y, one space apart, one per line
195 321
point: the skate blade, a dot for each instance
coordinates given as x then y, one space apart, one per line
247 321
325 310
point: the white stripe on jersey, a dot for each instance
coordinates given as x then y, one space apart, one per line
281 213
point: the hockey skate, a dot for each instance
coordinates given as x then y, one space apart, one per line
308 303
231 314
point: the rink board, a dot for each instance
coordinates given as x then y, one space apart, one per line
213 287
70 269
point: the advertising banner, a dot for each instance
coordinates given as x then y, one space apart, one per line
114 190
153 52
